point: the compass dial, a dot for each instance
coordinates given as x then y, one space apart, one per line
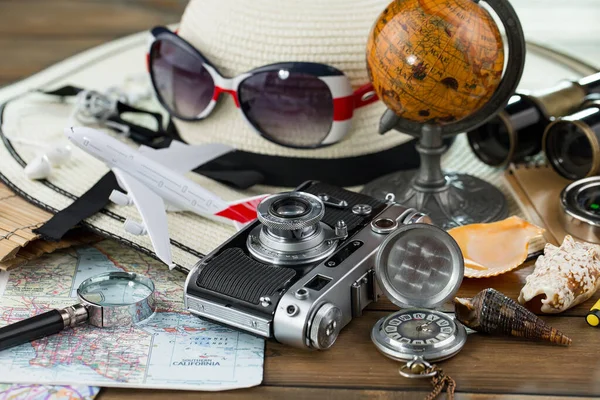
419 327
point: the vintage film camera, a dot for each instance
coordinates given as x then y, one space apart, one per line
303 270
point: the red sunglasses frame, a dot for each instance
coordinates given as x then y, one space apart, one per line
345 100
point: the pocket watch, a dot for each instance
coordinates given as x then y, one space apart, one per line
419 267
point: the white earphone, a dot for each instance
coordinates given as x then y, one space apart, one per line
41 166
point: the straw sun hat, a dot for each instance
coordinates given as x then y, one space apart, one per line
236 37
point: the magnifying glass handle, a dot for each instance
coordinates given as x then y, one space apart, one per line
41 325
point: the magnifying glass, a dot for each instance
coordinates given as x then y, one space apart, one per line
106 300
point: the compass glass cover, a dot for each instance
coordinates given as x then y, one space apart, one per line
588 200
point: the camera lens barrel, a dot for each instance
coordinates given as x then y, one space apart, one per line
572 143
290 211
291 231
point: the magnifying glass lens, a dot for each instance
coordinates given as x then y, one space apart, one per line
111 299
115 292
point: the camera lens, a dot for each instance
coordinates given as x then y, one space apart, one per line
569 148
290 230
290 211
290 207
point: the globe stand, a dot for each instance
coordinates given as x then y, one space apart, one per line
449 199
454 199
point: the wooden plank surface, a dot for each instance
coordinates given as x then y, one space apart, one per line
35 34
486 364
278 393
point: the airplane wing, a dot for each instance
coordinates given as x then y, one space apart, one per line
152 209
182 158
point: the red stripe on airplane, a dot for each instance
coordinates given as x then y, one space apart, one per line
242 212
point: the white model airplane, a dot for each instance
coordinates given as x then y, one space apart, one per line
153 180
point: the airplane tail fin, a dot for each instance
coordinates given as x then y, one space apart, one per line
241 212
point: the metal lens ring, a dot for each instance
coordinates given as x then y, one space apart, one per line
290 211
580 208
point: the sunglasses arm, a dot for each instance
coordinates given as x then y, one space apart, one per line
364 95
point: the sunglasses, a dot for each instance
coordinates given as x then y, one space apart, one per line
294 104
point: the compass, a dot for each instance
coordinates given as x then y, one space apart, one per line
419 267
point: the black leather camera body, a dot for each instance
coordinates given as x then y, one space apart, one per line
301 271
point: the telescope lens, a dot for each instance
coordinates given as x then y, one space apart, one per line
491 141
569 150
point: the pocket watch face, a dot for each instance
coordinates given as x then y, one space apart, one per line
419 327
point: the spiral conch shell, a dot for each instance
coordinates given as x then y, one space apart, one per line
566 275
492 312
495 248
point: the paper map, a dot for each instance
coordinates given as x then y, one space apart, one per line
172 349
43 392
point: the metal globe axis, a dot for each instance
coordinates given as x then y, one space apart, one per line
454 199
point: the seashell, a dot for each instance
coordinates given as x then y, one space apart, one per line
497 247
492 312
563 277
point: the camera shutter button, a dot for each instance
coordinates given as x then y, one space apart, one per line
325 327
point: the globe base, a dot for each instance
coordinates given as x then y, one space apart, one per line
463 200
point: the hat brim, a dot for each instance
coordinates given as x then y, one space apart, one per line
33 117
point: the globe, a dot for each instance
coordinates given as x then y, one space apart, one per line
435 61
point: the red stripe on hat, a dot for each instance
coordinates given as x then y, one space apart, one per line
343 108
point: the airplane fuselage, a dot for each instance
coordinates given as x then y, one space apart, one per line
175 189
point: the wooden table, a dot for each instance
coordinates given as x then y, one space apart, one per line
37 33
485 368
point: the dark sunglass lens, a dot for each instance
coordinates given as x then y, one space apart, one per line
289 108
183 84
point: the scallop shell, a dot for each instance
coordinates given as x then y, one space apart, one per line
563 277
495 248
492 312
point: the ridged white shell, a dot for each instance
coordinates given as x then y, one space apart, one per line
567 275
